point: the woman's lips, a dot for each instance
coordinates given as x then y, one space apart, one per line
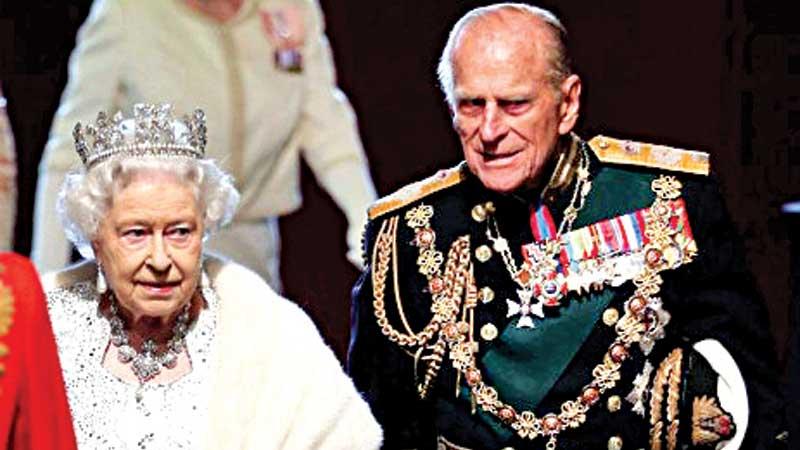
159 289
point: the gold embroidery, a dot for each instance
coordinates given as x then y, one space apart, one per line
6 317
668 376
636 326
447 290
650 155
710 424
416 191
643 320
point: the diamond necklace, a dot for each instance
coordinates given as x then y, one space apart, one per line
539 276
147 363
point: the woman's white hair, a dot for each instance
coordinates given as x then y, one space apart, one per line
557 51
86 196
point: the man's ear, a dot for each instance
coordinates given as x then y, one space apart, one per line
452 112
570 103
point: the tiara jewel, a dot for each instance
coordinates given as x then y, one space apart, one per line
153 131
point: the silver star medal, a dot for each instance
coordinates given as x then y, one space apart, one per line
525 309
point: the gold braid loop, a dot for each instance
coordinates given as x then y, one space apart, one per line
382 256
448 289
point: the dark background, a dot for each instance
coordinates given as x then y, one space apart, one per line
722 76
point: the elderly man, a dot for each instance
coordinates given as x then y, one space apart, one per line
553 292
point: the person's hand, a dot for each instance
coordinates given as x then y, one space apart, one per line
284 27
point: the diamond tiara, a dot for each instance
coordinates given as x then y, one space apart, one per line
153 131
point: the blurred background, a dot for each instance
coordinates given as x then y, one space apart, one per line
721 76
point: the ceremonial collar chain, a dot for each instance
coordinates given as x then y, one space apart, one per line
538 276
147 363
454 295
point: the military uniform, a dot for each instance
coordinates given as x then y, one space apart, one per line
486 321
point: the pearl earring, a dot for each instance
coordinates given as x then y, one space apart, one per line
100 284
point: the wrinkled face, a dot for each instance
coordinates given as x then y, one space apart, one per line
507 114
149 245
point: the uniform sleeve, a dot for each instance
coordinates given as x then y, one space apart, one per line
384 373
43 420
329 136
716 299
95 81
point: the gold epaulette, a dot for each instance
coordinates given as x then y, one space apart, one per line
415 191
617 151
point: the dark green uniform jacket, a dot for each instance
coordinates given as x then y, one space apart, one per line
660 397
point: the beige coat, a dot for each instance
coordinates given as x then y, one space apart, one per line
8 180
261 119
275 385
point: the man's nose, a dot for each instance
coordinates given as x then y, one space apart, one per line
493 126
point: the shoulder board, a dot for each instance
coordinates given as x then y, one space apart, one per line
617 151
415 191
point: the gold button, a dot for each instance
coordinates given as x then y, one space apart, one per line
487 294
615 443
489 332
610 316
614 403
508 448
479 213
483 253
602 143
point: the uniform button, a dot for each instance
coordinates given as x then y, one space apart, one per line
508 448
610 316
615 443
614 403
487 294
489 332
483 253
479 213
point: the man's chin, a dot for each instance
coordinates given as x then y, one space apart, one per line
502 185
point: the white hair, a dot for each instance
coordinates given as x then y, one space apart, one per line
560 64
85 197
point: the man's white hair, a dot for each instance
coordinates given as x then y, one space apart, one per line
86 197
560 64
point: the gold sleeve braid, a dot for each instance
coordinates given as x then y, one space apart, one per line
668 377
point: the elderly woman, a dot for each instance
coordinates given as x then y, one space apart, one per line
163 347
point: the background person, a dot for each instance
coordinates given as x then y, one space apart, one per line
34 414
8 180
263 72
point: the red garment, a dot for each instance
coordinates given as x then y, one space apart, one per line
34 413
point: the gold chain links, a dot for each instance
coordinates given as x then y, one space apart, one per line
448 289
642 322
633 327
